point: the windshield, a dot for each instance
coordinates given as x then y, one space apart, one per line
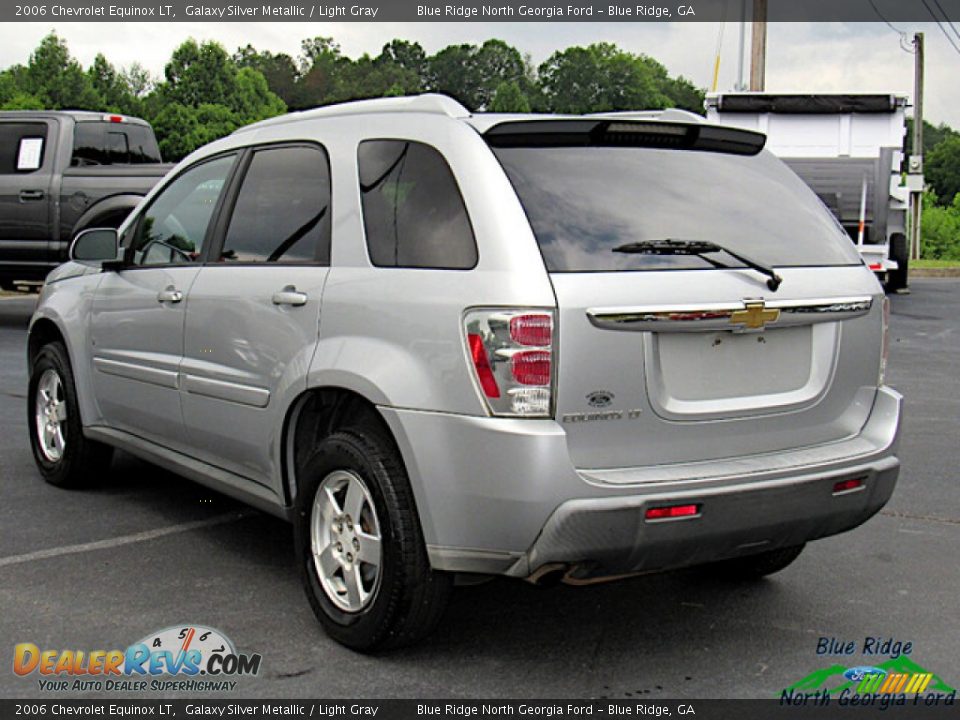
583 202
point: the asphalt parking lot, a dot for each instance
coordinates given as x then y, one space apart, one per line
102 568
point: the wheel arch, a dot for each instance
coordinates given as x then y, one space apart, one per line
317 413
43 332
116 207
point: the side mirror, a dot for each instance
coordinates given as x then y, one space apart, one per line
95 245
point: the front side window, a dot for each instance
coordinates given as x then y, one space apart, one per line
282 213
413 213
172 230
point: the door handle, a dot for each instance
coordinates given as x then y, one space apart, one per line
169 295
290 296
27 195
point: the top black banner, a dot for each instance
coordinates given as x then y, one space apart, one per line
941 11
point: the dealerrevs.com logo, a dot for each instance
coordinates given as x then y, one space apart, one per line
187 658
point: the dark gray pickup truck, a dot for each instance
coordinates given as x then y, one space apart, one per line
62 172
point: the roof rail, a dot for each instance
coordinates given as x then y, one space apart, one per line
432 103
674 114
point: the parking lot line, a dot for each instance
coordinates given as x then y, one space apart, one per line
123 539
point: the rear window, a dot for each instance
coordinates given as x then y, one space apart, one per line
582 202
105 143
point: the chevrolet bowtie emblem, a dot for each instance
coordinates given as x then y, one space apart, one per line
754 316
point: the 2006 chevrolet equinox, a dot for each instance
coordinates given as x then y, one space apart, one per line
448 345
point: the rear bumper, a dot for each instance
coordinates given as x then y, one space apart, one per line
501 496
611 536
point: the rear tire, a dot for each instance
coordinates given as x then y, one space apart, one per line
754 567
64 456
359 545
897 279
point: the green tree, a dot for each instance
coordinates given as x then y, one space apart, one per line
472 74
199 74
112 87
496 63
942 169
182 129
205 97
12 93
450 71
933 135
138 79
280 70
602 77
321 66
941 229
683 94
408 55
57 80
371 78
509 99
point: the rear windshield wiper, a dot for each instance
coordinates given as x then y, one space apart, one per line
698 248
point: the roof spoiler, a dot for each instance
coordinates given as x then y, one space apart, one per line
588 132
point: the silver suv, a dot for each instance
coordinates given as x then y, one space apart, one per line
449 346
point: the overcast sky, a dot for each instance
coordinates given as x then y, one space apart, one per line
806 57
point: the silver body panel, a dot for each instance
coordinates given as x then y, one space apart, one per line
702 406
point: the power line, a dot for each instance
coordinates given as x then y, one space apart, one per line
947 18
940 25
889 24
904 37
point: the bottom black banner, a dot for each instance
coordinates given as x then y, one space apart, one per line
455 709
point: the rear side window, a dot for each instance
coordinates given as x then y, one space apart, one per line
282 213
584 203
22 147
105 143
413 213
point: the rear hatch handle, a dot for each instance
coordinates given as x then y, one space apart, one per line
748 315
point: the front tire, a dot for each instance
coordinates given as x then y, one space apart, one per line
64 456
359 545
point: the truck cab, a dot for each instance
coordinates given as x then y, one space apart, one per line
62 172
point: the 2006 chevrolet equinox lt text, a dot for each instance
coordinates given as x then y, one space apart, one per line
450 345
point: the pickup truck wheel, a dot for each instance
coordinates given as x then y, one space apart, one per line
359 545
753 567
65 457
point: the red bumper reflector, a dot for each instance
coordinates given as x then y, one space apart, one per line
876 266
672 511
845 486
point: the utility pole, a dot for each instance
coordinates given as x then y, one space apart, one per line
758 51
741 85
915 161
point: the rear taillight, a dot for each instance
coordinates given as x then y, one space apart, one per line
512 354
885 343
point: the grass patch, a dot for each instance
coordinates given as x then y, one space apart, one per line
935 263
